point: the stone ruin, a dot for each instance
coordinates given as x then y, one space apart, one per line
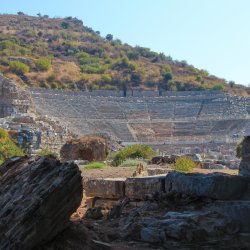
18 114
168 211
173 211
177 210
210 123
245 162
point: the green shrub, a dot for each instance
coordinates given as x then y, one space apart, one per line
43 64
65 25
82 57
123 63
184 164
95 165
19 67
106 78
93 69
218 87
239 150
132 163
46 151
134 151
8 148
3 134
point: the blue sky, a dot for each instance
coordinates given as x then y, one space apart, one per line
210 34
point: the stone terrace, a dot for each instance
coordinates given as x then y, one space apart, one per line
146 117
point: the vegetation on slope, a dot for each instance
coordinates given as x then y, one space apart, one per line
136 151
95 165
8 147
64 54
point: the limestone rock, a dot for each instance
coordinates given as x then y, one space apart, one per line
38 196
164 159
144 188
216 186
238 211
13 98
187 226
95 213
158 171
113 188
90 148
245 163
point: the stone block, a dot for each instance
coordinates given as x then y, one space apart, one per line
216 186
244 168
158 171
144 188
111 188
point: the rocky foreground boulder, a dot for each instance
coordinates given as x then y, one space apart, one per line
37 198
244 168
90 148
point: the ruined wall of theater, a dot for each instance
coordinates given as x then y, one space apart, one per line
203 119
13 98
17 113
245 162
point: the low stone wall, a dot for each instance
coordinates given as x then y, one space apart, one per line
215 186
105 188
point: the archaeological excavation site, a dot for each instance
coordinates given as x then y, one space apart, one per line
108 146
131 201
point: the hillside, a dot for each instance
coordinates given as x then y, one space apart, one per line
64 54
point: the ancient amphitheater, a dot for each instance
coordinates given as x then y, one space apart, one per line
171 122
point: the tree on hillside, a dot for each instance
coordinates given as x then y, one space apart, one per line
109 37
167 82
231 84
65 25
20 13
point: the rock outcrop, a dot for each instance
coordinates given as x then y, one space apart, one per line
13 98
91 148
216 186
38 196
245 162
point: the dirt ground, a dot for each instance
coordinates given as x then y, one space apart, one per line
108 172
125 172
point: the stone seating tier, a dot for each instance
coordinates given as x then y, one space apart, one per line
147 117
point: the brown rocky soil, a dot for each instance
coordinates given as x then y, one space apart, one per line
108 172
125 172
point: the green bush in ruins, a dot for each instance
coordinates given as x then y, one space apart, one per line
46 151
239 150
137 151
184 164
8 147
